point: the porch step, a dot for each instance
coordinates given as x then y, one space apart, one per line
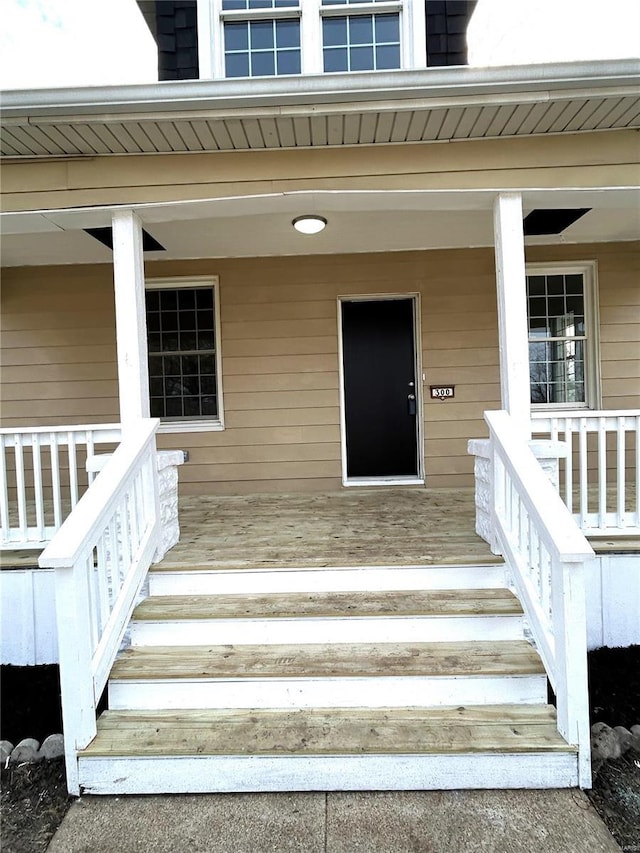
336 675
382 616
167 578
323 749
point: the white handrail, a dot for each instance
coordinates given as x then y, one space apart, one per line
601 474
101 555
545 553
41 479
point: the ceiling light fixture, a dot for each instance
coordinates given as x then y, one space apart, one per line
309 224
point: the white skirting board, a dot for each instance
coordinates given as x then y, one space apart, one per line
245 774
28 617
612 584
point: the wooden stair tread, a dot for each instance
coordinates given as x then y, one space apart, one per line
338 660
459 602
479 729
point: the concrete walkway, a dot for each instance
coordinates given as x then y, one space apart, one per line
405 822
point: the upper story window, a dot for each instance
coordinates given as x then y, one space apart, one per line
359 39
256 45
263 38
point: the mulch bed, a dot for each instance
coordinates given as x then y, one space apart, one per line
34 802
35 799
614 695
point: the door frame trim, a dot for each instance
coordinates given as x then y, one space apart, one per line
419 479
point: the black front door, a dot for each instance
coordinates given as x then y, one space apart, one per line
380 388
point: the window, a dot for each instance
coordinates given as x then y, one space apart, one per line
562 336
359 41
184 358
255 46
256 38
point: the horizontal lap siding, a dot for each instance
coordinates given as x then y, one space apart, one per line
279 321
280 355
58 346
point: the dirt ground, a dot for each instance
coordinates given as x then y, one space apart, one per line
614 696
35 799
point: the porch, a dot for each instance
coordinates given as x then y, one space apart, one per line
353 527
299 616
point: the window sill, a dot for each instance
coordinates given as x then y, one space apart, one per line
187 425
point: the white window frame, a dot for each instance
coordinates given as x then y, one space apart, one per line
592 386
186 424
413 39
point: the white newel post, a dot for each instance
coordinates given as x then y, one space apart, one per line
131 323
512 310
569 629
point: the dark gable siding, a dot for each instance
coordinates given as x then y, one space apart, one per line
176 32
177 38
447 22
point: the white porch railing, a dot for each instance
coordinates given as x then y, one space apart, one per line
43 474
101 555
600 477
545 553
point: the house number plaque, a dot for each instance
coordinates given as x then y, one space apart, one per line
442 392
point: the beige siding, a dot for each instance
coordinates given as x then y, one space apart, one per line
582 160
279 320
58 346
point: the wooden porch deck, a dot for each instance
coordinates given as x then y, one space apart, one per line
353 527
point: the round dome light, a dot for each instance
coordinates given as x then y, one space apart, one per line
309 224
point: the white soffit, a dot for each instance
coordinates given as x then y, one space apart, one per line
430 104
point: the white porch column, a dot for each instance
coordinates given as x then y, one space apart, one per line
131 322
512 309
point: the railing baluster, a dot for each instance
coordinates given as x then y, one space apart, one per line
4 492
94 610
103 581
637 472
20 485
583 473
73 468
568 486
127 542
114 546
91 475
602 473
37 484
55 481
136 492
621 461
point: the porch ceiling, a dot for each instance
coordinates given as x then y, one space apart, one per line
358 221
322 110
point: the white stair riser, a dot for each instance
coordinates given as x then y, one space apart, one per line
381 692
359 579
395 629
229 774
